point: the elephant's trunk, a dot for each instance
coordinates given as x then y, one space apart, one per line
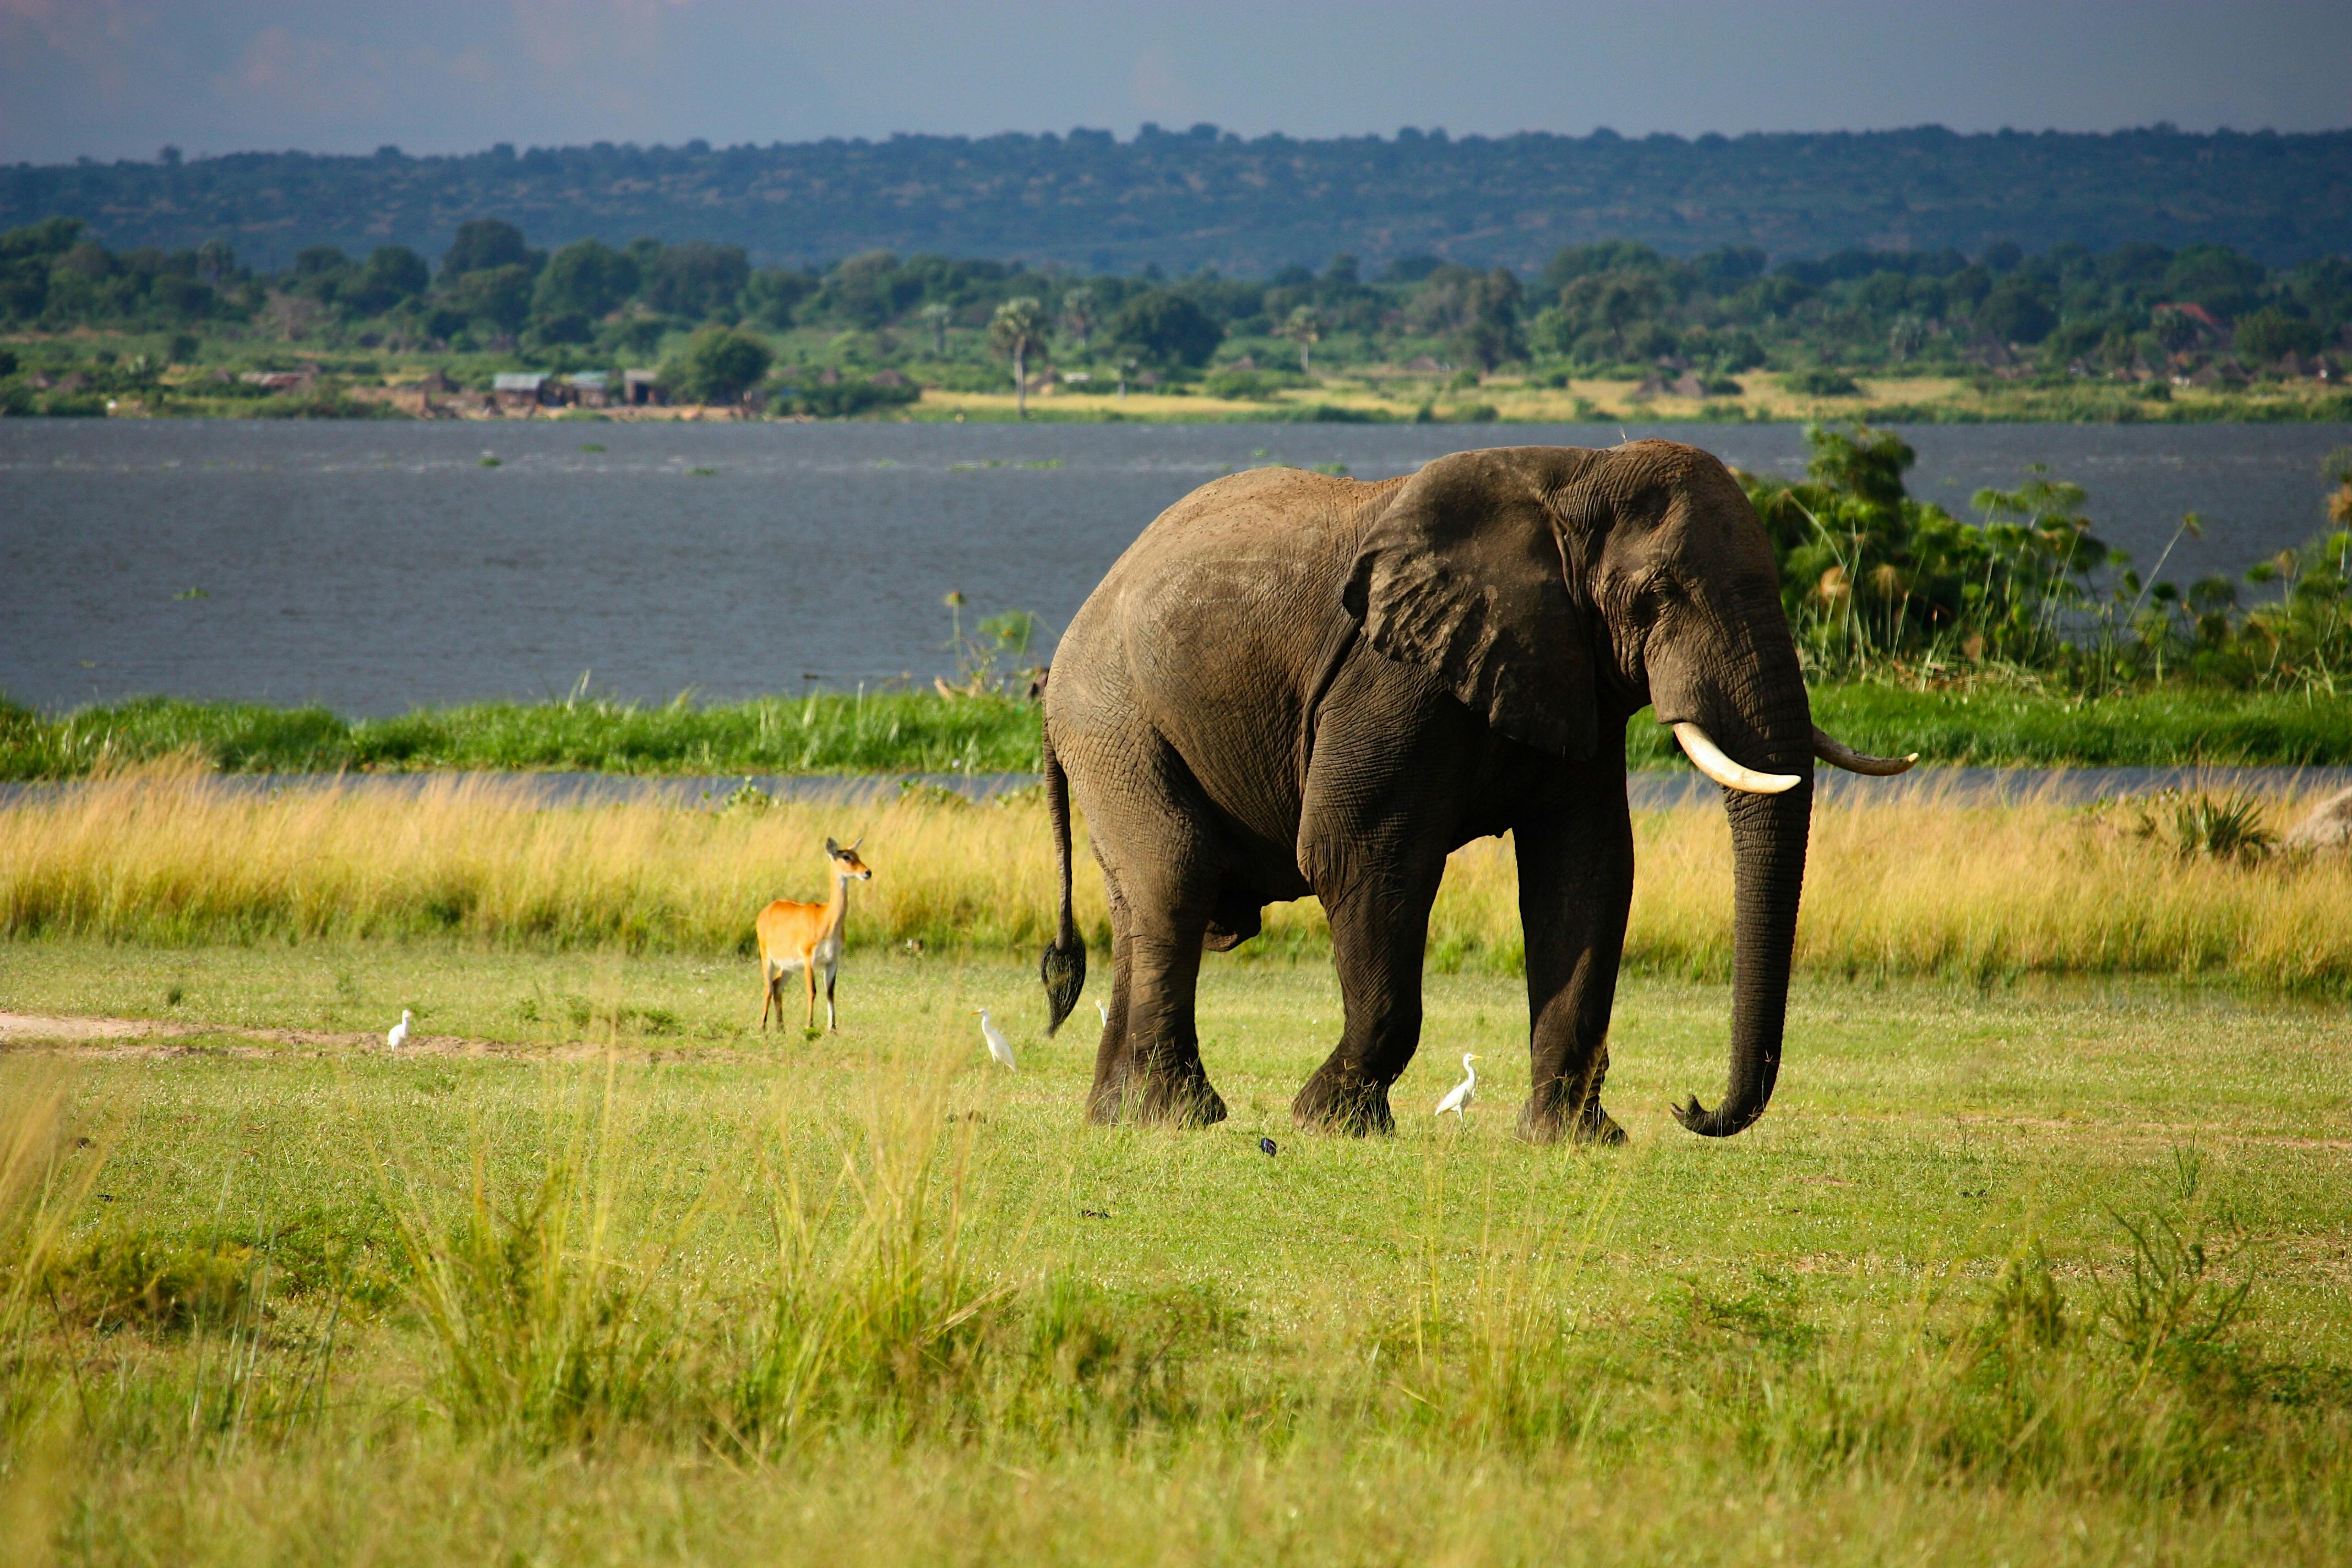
1767 849
1772 732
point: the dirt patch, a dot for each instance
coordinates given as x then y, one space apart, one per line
131 1038
36 1028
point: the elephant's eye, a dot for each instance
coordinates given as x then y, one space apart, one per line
1661 591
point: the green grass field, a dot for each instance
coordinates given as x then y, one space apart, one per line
593 1273
1988 725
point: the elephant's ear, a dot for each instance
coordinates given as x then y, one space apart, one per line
1464 575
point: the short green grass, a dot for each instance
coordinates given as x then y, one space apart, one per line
825 732
1894 1321
1987 724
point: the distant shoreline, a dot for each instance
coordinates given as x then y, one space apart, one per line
1501 400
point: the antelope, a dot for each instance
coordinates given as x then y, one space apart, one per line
807 936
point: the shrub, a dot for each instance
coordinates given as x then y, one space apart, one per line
1820 381
1251 385
847 398
720 365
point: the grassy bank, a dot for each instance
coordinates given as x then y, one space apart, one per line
1384 395
2050 1279
1911 886
923 733
823 733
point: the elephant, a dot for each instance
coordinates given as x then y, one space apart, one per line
1295 683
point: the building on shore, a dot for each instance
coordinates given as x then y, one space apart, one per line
518 390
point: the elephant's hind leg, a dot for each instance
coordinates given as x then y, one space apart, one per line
1165 1080
1112 1058
1163 882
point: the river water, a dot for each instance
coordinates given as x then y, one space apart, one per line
374 567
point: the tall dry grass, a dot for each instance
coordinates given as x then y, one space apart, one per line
1919 884
161 854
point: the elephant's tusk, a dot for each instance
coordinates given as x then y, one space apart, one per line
1708 758
1838 755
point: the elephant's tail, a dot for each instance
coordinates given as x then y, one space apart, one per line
1063 966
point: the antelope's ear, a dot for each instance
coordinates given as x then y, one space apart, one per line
1465 574
831 847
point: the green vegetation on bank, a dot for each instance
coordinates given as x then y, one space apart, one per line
824 732
2140 332
1987 724
1877 584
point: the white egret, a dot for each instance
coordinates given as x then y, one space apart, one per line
1104 1010
399 1035
998 1045
1461 1094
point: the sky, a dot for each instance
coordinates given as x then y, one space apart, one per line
120 78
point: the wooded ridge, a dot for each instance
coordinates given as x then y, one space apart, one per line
1202 197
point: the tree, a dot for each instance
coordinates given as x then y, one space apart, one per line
1078 314
1304 326
392 275
2271 334
586 278
867 290
2014 314
1490 329
483 244
1018 331
720 364
500 296
696 279
2215 276
1607 306
937 316
1167 327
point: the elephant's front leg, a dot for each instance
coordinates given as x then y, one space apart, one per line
1576 880
1377 934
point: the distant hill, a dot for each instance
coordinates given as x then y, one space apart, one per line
1186 200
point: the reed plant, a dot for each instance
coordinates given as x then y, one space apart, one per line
1919 883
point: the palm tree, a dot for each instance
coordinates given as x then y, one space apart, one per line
1078 314
1018 331
1305 324
937 316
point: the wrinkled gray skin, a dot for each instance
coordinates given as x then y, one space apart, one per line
1293 684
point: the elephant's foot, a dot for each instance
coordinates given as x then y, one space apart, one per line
1344 1103
1596 1127
1569 1105
1174 1098
1542 1122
